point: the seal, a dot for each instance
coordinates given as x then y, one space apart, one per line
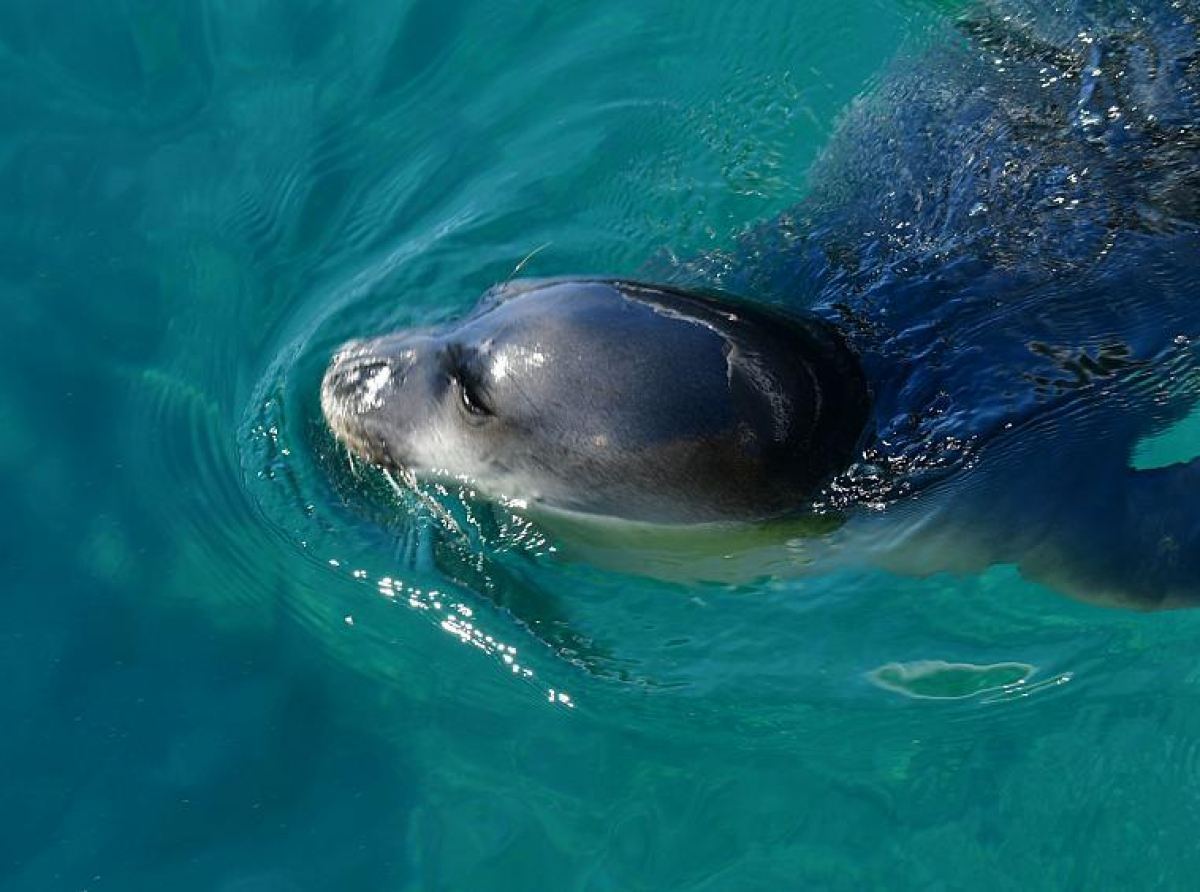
955 343
610 397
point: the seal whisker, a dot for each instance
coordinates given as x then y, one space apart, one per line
520 266
410 484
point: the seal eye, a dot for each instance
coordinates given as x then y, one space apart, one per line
458 365
469 396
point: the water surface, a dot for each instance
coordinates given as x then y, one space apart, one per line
234 663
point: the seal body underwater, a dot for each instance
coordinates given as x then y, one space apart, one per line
989 298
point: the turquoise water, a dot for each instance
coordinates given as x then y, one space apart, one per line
233 663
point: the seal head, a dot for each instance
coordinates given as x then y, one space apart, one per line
610 397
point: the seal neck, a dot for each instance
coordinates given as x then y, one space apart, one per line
843 398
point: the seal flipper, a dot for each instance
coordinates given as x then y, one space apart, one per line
1136 543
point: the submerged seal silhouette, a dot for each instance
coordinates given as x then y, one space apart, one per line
988 299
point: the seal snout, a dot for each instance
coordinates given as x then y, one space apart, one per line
353 391
353 381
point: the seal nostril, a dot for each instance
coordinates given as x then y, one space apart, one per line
351 369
